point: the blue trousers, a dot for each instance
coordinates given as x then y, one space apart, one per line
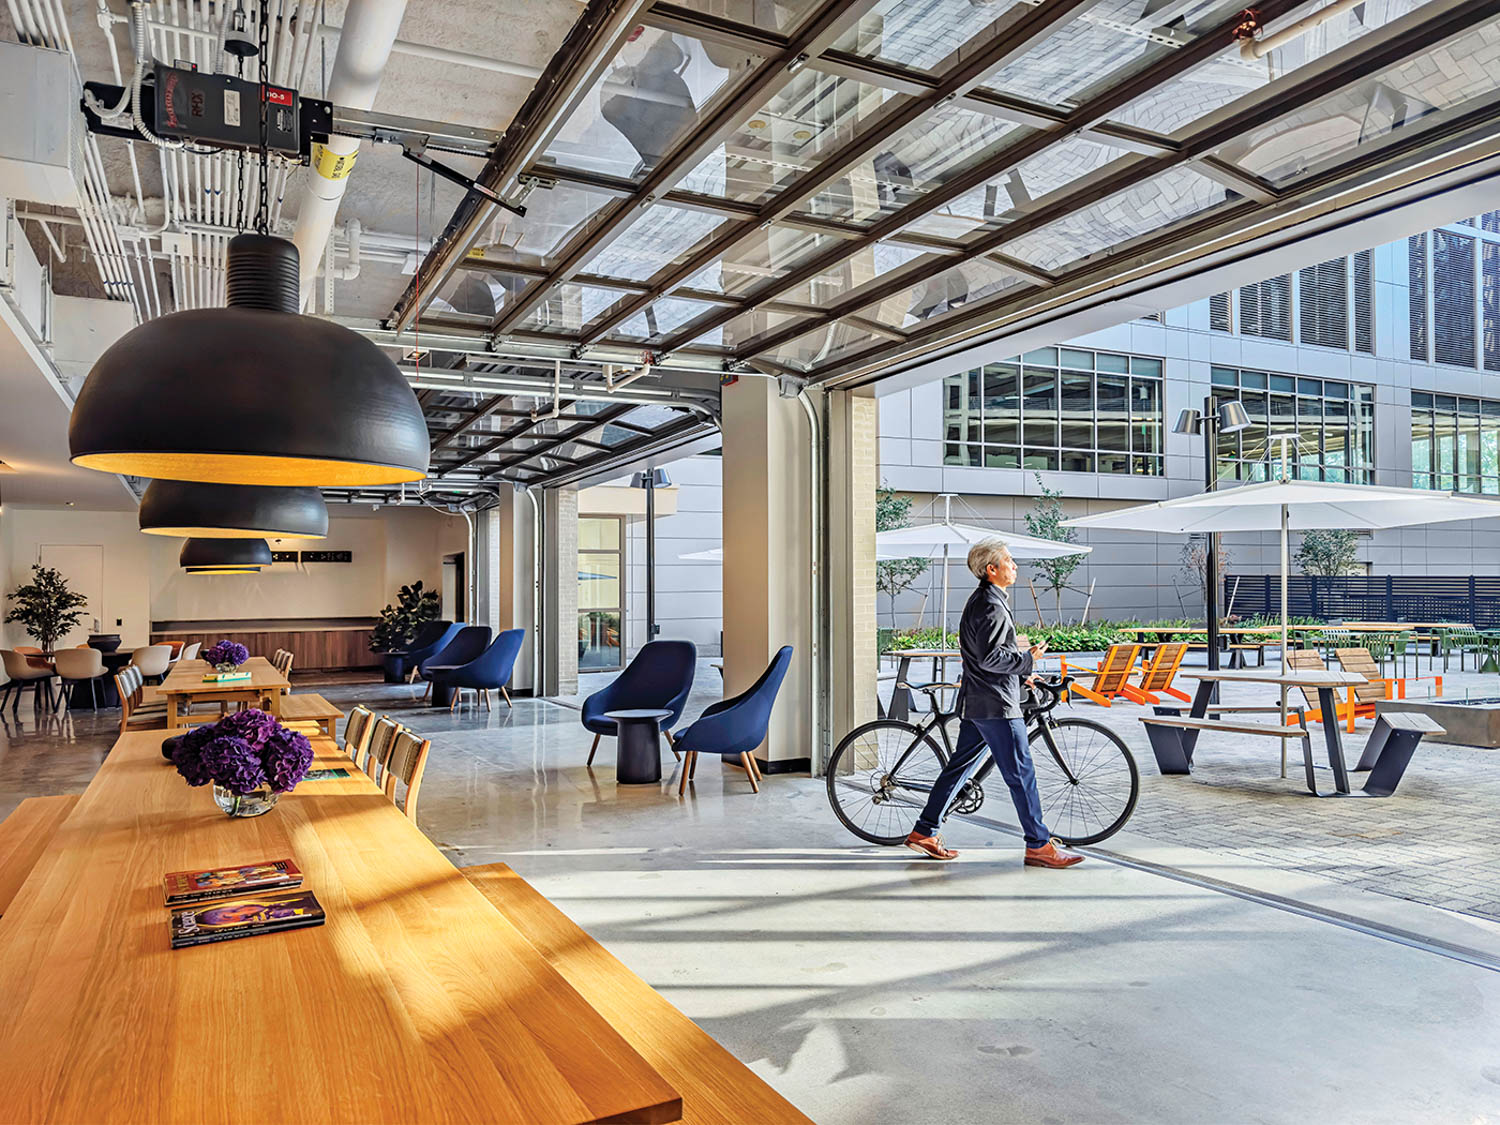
1006 741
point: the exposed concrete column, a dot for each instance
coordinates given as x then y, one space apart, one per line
767 579
560 591
854 475
486 546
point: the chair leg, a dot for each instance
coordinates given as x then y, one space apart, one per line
672 745
594 749
426 695
682 782
457 692
754 765
508 703
750 772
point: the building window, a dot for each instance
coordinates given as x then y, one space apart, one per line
600 597
1063 409
1218 313
1334 422
1364 302
1489 289
1416 292
1455 443
1452 298
1266 308
1323 298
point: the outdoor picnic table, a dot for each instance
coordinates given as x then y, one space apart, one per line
1324 682
901 698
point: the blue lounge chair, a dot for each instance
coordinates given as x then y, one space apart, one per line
430 640
464 646
734 727
659 678
489 670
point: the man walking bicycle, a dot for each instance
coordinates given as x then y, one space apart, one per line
989 708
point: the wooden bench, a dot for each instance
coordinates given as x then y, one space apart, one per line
310 707
1174 737
716 1088
24 836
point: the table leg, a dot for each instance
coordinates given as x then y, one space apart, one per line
1333 739
275 699
638 752
900 696
1201 699
171 711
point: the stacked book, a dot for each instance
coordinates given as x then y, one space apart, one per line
223 903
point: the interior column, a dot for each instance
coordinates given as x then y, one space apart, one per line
853 477
767 558
559 634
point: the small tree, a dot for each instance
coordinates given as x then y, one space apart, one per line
894 576
398 623
46 606
1194 567
1045 521
1328 551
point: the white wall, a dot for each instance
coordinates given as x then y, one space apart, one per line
142 581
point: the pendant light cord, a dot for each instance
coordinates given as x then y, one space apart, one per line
262 218
417 247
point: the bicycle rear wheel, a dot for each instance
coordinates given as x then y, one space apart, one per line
1086 777
879 778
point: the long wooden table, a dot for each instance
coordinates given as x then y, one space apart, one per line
416 1001
185 684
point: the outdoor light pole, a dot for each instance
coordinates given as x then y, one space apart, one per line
651 480
1229 418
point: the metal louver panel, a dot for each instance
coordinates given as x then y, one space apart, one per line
1452 298
1490 300
1266 308
1218 313
1490 221
1323 297
1416 291
1364 302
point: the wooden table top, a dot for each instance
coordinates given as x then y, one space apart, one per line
186 678
1163 630
1308 677
416 1001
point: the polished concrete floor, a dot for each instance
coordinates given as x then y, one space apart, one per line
871 987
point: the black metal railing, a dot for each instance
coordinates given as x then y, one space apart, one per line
1472 599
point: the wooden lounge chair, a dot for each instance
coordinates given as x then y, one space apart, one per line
1158 673
1361 661
1111 677
1308 660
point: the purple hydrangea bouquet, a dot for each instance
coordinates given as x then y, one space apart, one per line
249 758
227 655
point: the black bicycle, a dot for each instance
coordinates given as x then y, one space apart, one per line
881 773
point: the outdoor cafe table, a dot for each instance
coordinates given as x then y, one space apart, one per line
185 684
1324 682
416 1001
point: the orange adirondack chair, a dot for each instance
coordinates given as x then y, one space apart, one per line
1158 673
1111 677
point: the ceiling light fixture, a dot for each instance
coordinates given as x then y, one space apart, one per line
232 511
224 556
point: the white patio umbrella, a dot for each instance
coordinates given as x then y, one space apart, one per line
1295 504
937 540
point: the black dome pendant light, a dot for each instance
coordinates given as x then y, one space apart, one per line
250 394
254 393
190 509
224 556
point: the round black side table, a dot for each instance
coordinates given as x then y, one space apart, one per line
638 746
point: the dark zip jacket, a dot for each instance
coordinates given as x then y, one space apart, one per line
993 663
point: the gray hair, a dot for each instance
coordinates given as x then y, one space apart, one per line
987 553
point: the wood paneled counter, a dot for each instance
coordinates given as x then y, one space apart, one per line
317 644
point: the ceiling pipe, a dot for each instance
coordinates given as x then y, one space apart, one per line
1252 49
369 32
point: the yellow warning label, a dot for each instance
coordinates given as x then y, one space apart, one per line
332 165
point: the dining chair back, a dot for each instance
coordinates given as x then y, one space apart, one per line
408 758
190 652
152 660
79 665
732 728
23 674
357 734
135 713
382 740
1362 662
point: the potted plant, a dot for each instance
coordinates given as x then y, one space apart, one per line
248 757
399 623
225 656
46 607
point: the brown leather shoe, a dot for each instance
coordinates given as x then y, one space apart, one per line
1048 855
932 847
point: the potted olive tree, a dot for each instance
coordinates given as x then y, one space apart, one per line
47 608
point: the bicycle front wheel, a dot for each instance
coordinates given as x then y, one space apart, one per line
879 778
1086 777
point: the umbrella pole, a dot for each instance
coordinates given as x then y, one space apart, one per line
943 629
1285 566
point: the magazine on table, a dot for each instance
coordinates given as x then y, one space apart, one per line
220 882
247 916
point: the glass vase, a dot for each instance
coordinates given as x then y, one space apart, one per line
256 803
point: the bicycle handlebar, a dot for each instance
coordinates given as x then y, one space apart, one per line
1047 694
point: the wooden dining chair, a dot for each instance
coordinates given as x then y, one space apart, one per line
357 730
1158 673
407 760
135 713
382 740
1111 677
